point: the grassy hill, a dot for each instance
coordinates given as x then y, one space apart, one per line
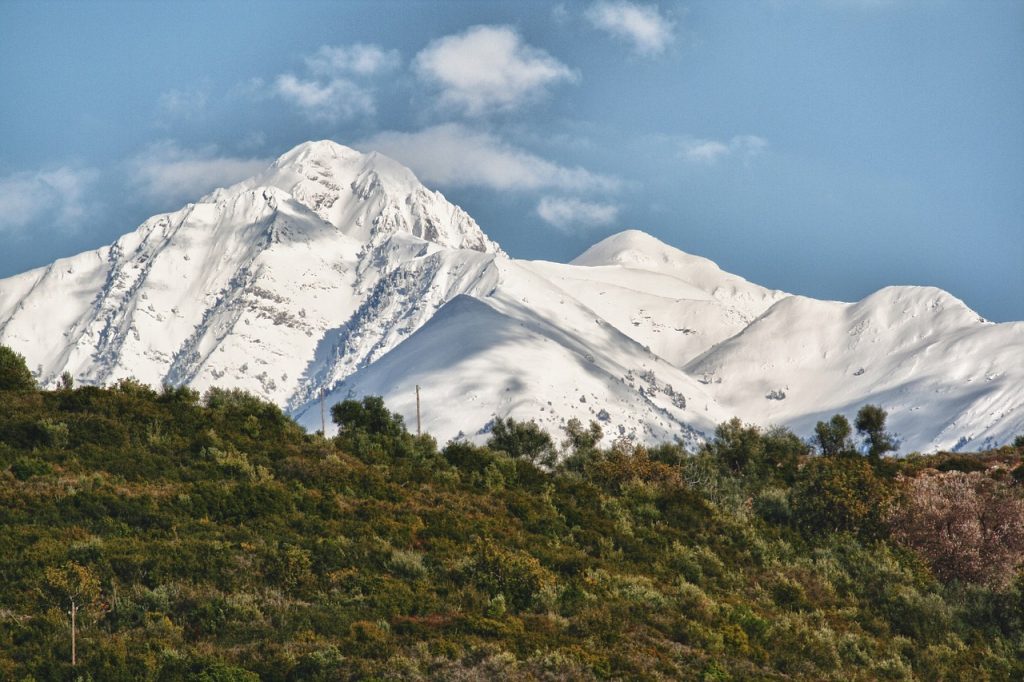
212 539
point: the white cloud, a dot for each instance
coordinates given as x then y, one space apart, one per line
744 147
566 213
488 68
59 197
327 92
360 59
453 155
170 173
642 25
335 100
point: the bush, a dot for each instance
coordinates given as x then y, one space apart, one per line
772 505
840 495
966 526
25 468
516 575
14 373
961 463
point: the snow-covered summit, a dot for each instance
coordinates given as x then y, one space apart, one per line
637 248
367 196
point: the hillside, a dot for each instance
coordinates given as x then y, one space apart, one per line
212 539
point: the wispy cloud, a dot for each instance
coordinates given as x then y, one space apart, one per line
643 26
337 84
187 103
568 214
336 100
170 173
488 68
360 59
59 197
744 147
454 155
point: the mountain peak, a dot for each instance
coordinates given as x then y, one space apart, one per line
368 196
326 158
638 249
317 149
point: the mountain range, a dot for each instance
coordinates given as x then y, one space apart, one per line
336 274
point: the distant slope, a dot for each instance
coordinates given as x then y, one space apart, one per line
677 304
948 378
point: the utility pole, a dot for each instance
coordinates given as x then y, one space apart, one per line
74 612
419 431
323 422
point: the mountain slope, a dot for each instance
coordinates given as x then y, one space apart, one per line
337 273
249 286
528 351
677 304
949 378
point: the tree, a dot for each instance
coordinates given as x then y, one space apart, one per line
580 444
833 436
870 423
76 586
783 451
66 381
369 416
582 440
967 526
14 373
736 446
522 439
371 432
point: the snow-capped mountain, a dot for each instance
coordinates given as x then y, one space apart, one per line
336 272
253 286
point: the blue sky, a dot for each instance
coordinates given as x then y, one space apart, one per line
824 147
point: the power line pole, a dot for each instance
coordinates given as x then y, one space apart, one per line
419 430
323 422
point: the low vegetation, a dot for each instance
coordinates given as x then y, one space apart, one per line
210 538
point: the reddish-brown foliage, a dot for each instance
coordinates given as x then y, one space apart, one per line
967 526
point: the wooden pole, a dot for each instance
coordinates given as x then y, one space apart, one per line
419 431
74 652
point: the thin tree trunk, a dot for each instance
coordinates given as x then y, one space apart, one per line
74 653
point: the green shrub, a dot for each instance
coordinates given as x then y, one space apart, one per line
25 468
14 373
772 505
516 575
840 495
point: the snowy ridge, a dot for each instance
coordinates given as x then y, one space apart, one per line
949 378
336 272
